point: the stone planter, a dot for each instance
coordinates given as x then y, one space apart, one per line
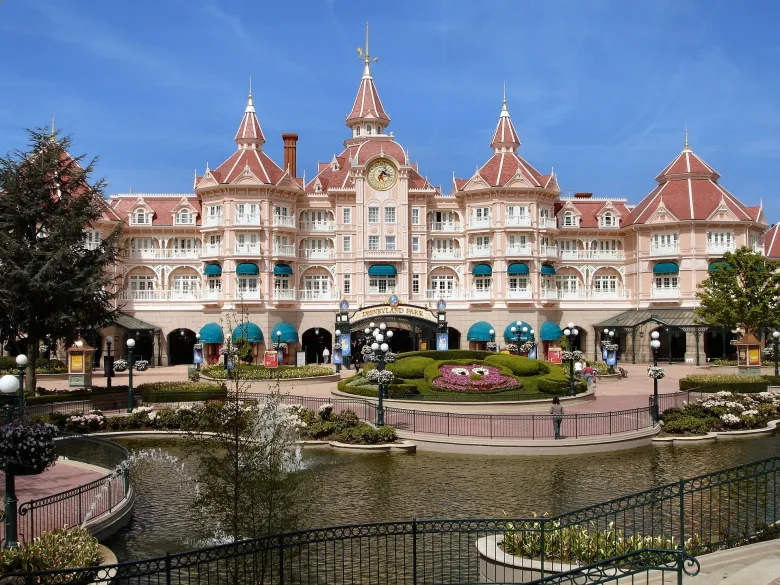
497 566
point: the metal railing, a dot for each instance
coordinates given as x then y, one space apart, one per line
71 507
689 517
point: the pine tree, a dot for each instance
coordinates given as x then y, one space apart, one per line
743 288
51 283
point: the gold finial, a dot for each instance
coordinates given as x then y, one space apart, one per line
686 137
250 86
505 93
51 136
363 54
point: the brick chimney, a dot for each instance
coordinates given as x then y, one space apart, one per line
583 195
290 152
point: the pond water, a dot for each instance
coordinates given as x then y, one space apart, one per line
355 488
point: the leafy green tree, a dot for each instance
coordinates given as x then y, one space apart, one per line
744 288
52 284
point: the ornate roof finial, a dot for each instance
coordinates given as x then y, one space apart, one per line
686 138
363 54
250 86
504 108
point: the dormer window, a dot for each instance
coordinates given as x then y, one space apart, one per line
317 188
184 217
378 129
568 219
357 130
608 219
335 166
368 129
141 217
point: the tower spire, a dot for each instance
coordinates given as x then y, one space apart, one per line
249 134
504 108
505 137
51 136
364 54
686 138
367 106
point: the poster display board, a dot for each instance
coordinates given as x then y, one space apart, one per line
197 356
300 358
554 355
612 358
346 344
271 359
337 359
532 353
442 341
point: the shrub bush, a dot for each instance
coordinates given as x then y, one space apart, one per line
728 382
451 354
411 367
255 372
686 424
519 365
181 391
60 549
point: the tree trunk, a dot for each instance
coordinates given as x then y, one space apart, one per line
32 356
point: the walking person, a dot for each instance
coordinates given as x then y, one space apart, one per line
587 373
326 356
556 410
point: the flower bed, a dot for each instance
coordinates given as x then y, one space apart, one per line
61 549
472 378
255 372
723 411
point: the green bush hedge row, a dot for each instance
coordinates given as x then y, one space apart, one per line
519 365
149 392
728 382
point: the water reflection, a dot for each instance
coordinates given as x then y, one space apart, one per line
353 488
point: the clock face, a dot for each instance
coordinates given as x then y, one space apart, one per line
382 175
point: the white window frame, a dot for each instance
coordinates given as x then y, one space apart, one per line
415 244
347 284
416 214
381 284
390 242
346 216
415 284
373 243
373 215
346 244
390 214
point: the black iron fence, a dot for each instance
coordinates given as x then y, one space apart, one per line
727 508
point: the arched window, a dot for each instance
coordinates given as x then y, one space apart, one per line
568 219
608 219
368 129
357 130
184 217
140 216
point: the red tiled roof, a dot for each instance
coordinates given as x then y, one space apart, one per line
500 168
380 146
367 103
754 211
161 206
590 210
259 163
249 130
772 242
338 179
505 134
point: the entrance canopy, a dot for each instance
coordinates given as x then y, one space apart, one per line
249 331
289 334
211 333
479 331
550 331
133 324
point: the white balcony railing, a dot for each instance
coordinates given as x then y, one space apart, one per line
284 221
479 223
244 249
481 294
317 295
284 294
665 249
586 294
284 249
518 221
317 226
90 245
622 294
444 254
592 255
547 223
316 253
247 219
720 247
548 251
445 226
549 294
519 294
518 250
164 253
573 223
665 292
212 250
211 295
758 250
248 294
212 220
161 295
382 253
571 254
480 251
179 221
442 293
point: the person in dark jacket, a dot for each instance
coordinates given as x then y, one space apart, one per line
556 410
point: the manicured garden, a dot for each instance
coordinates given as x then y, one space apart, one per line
722 411
74 547
463 375
148 392
42 366
257 372
728 382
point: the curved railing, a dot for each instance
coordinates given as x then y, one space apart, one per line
727 508
95 498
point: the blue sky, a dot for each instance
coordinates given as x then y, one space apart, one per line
599 90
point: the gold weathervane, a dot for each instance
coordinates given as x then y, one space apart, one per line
363 53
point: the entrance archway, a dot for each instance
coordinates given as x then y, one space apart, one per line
144 347
414 328
673 344
314 341
717 344
454 338
181 343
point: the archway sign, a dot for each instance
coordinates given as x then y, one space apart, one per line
423 324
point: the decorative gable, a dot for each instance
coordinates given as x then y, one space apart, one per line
609 215
184 213
475 183
662 215
141 213
246 177
288 181
722 213
207 180
519 180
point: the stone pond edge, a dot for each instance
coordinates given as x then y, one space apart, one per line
721 435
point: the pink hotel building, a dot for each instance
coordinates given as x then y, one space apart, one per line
503 245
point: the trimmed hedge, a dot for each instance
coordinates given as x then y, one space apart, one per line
728 382
149 392
520 366
411 367
450 354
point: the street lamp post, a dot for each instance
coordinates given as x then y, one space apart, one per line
380 347
338 340
21 364
227 356
9 386
571 333
130 346
108 362
197 342
492 334
316 345
655 343
776 341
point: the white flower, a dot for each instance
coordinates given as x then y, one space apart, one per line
480 371
730 419
460 371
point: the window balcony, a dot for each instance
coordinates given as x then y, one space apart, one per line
720 247
317 295
382 253
519 294
286 221
606 255
518 250
665 249
620 294
571 224
184 221
548 251
248 294
213 220
549 294
610 224
666 292
90 245
435 294
284 294
546 223
480 251
572 254
161 295
247 219
165 254
211 250
446 254
480 223
481 294
316 254
212 295
247 249
284 249
518 221
317 226
445 226
147 221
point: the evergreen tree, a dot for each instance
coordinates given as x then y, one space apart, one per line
51 283
744 288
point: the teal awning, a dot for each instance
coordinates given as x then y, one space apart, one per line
381 270
249 331
247 269
523 337
548 269
289 334
666 268
550 331
715 266
482 270
479 331
211 333
517 268
212 270
282 270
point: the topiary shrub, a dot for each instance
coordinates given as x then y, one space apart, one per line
520 366
410 368
686 424
450 354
